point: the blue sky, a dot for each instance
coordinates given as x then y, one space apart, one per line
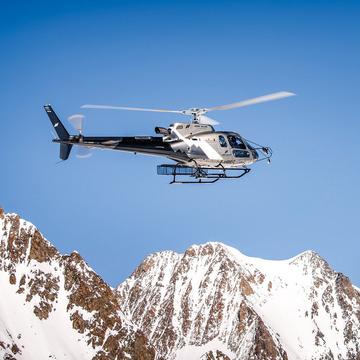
112 207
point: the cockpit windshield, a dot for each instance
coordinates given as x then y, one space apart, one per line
236 142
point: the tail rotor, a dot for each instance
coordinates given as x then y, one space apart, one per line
77 121
83 152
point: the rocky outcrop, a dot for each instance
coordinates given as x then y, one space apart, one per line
251 308
46 282
181 300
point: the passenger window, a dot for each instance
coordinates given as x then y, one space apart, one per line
222 141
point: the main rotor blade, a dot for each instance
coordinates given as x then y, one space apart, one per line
257 100
110 107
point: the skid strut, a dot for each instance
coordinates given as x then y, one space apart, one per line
200 175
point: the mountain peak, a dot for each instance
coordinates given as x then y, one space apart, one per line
207 249
307 254
212 299
54 306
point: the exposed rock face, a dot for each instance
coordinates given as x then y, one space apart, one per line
212 302
209 303
55 306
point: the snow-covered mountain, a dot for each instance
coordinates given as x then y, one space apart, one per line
56 307
212 302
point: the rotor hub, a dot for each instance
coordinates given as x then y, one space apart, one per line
196 113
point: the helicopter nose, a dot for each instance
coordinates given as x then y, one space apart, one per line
267 151
255 154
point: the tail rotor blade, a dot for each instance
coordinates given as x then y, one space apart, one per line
83 152
77 121
53 133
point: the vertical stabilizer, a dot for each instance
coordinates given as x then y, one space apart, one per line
57 124
60 131
65 151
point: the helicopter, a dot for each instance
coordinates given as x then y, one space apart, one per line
201 154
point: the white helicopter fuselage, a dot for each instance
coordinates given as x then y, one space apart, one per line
210 148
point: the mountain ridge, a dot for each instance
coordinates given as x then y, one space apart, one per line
210 302
257 281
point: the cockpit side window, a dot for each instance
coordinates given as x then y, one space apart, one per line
241 153
222 141
236 142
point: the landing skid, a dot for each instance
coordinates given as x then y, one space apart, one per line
201 175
